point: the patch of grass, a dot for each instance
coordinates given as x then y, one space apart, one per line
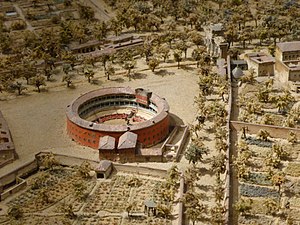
249 190
259 179
254 141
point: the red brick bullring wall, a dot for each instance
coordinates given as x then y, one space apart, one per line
87 133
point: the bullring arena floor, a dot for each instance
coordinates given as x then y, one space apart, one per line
102 113
38 121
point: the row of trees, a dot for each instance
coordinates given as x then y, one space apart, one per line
212 114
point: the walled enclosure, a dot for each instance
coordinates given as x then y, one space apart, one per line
150 131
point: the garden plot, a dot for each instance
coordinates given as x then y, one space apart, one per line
269 181
64 196
270 105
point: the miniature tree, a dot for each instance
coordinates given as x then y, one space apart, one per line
243 206
191 175
178 57
47 72
278 179
18 86
196 38
49 161
164 210
153 63
272 160
217 214
134 182
39 81
68 210
86 12
80 190
40 181
163 51
28 73
15 212
130 207
173 176
84 169
44 196
194 209
88 73
279 150
283 102
271 206
110 71
218 164
129 65
221 145
195 213
197 55
263 135
263 94
104 59
268 119
66 68
195 153
219 190
182 46
292 138
68 79
243 171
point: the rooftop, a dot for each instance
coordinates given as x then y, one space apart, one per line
103 165
289 46
238 62
127 140
260 57
107 143
75 45
293 65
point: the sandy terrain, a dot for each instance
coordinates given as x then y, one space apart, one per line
37 121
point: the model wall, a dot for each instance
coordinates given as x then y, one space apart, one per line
147 136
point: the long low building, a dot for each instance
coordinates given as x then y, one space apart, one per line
7 148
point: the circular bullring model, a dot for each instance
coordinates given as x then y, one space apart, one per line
115 111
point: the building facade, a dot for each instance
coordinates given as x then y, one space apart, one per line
84 126
263 64
287 65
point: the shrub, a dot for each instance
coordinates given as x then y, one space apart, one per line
18 25
243 206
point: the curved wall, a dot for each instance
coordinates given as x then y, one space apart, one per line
150 132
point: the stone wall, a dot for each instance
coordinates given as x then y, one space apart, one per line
21 184
275 131
21 171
